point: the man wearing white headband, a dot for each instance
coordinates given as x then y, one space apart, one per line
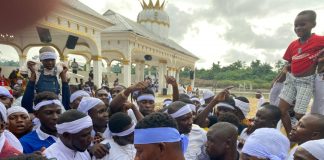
76 97
266 143
74 130
7 149
242 106
5 97
122 129
45 78
146 101
47 109
19 121
311 150
182 113
156 138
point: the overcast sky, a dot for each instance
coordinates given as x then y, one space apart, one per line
227 30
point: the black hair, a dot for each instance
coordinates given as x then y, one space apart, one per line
44 96
230 118
157 120
229 101
183 96
168 99
70 115
311 14
146 91
275 111
212 120
175 106
243 99
118 122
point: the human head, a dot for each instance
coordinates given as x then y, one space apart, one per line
167 102
146 101
147 142
48 57
267 116
96 109
230 118
76 97
17 91
208 95
265 143
196 101
19 121
5 97
221 140
74 129
258 94
102 94
304 23
122 128
311 150
117 89
226 106
182 113
309 127
47 109
191 105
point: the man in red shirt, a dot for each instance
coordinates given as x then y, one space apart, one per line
302 56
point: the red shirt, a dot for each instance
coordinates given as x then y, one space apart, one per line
303 56
8 151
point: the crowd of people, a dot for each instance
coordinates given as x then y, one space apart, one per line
49 118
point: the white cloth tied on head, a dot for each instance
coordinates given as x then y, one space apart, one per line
182 111
5 92
77 94
88 103
16 109
47 102
195 99
208 94
148 97
47 55
225 105
315 148
167 103
243 106
267 143
192 107
126 132
3 112
74 126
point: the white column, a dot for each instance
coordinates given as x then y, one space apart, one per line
139 71
22 60
97 71
126 71
177 76
162 72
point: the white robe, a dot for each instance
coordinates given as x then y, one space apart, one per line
118 152
197 138
59 151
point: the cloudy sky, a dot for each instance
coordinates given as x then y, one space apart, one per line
227 30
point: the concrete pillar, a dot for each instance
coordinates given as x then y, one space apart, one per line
177 76
162 72
126 71
22 60
97 70
65 60
139 71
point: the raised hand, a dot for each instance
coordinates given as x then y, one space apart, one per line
170 80
139 86
223 95
31 66
63 73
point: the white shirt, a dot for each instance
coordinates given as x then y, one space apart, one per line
291 153
59 151
118 152
197 138
2 141
260 101
42 135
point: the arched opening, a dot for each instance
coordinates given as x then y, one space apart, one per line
9 60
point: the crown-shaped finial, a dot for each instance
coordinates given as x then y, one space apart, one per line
150 5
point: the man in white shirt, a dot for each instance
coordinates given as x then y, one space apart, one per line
182 113
259 96
122 128
74 129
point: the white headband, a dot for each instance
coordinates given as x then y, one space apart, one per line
243 106
47 102
88 103
77 94
182 111
126 132
74 126
47 55
195 99
225 105
167 103
192 107
16 109
3 112
149 97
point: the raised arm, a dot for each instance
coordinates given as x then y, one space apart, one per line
175 91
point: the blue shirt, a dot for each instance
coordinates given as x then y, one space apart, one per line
31 142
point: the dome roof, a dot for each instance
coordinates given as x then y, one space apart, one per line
153 13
